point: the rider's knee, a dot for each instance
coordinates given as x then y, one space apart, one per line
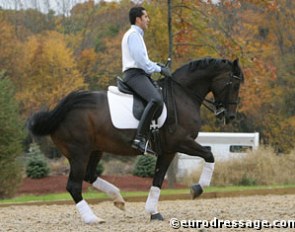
158 101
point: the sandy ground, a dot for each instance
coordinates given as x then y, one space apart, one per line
65 217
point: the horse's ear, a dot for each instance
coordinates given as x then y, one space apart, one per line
236 62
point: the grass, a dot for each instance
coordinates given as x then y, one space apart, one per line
92 194
262 167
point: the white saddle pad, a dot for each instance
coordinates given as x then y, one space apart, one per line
120 105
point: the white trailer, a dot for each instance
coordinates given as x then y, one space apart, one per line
224 146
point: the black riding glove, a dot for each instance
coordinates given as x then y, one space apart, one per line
166 71
161 65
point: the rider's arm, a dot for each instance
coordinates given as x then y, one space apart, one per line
138 52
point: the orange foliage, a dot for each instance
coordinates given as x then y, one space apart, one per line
85 48
87 61
9 47
49 74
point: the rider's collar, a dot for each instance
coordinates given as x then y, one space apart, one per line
138 29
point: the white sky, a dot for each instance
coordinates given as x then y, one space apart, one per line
59 6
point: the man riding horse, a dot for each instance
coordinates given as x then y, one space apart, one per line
137 68
81 125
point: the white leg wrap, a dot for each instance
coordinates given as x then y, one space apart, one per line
108 188
86 213
206 174
152 201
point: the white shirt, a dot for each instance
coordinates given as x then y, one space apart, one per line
134 52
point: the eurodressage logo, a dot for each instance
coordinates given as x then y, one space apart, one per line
235 224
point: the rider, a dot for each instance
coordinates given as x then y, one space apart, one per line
137 68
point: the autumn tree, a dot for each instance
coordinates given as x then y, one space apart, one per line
48 55
156 36
266 99
50 72
87 63
96 44
9 46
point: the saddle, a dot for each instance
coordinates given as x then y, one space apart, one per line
139 104
126 108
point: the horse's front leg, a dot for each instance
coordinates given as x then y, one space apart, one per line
151 205
190 147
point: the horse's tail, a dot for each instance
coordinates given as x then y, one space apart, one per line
46 122
39 124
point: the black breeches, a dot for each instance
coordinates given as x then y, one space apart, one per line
142 85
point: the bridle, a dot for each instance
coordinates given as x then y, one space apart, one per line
219 107
216 107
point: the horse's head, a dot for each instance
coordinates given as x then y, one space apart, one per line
225 88
219 76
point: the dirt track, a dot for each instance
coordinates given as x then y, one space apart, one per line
65 217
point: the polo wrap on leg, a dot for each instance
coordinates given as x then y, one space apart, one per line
86 213
152 201
110 189
206 174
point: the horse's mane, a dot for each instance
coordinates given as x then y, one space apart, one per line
206 63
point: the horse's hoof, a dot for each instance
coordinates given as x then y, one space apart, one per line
196 191
120 205
95 220
100 221
157 216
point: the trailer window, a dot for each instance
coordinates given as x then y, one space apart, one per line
240 148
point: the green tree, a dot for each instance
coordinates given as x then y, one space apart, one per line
145 166
11 135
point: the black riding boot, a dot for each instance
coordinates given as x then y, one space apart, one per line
140 142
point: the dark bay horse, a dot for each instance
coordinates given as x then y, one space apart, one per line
81 128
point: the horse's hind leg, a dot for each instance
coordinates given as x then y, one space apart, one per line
100 184
78 163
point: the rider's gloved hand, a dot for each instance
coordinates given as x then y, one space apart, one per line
161 65
166 71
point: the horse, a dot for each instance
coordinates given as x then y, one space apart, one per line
81 128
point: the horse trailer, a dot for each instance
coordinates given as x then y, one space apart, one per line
224 146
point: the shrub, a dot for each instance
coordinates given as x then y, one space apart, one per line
99 169
145 166
37 166
247 181
11 135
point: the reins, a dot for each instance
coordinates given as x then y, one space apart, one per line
216 107
212 107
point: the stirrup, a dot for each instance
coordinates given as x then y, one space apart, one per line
143 147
